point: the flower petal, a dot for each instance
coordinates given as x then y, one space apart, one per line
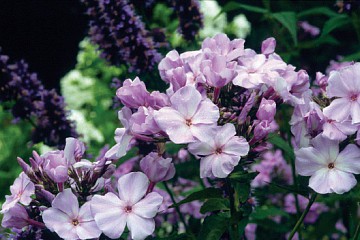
88 230
207 113
109 215
201 148
132 187
54 218
140 227
319 182
341 182
149 206
338 110
237 146
224 134
186 100
67 202
355 112
308 161
206 167
348 159
223 165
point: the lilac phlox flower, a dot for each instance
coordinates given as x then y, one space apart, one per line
221 153
130 207
68 220
335 130
272 165
336 65
267 110
345 85
189 118
15 217
250 231
221 45
308 28
74 150
143 123
55 165
330 170
21 191
315 210
268 46
157 168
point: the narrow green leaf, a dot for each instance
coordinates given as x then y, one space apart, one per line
282 144
215 204
351 57
207 193
288 189
266 212
231 6
213 227
243 176
334 23
318 11
289 21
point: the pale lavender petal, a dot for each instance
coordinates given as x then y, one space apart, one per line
67 202
308 161
66 231
88 230
140 227
55 218
331 131
355 112
207 113
320 181
237 146
201 148
186 100
149 206
109 214
132 187
348 159
337 86
223 165
338 110
111 153
206 167
341 182
329 149
202 132
224 134
69 150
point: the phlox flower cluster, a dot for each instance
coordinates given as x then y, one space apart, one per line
324 128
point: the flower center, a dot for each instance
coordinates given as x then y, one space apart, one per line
128 209
354 97
218 151
188 122
75 222
331 165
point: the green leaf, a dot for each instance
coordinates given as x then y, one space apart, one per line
289 21
334 23
318 11
207 193
231 6
288 189
213 227
266 212
328 39
215 204
183 236
243 176
282 144
351 57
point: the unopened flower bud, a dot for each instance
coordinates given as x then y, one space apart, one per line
156 168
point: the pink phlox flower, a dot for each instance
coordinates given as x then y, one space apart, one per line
129 208
345 86
16 217
221 153
189 118
330 170
68 220
308 28
157 168
21 191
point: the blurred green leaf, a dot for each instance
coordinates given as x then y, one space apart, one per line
231 6
289 21
201 195
266 212
274 187
334 23
351 57
318 11
327 39
243 176
215 204
213 227
282 144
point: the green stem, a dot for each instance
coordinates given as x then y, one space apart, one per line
234 233
176 207
301 219
357 232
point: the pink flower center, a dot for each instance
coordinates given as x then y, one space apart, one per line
354 97
188 122
128 209
75 222
331 165
218 151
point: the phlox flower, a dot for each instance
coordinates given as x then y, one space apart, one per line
68 220
189 118
220 154
21 191
112 212
345 85
330 170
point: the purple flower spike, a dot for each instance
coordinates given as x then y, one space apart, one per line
21 191
112 212
67 220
